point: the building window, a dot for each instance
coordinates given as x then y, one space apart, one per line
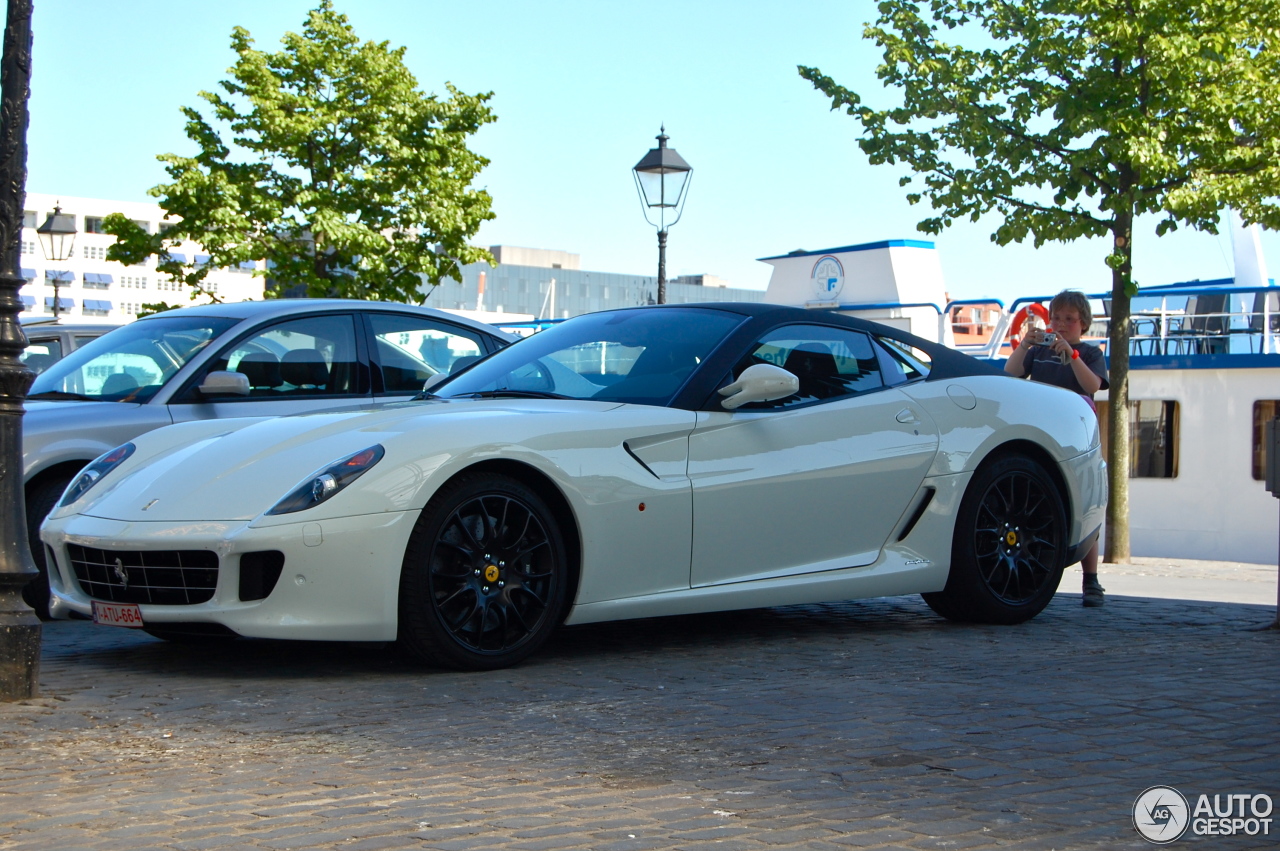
133 282
165 227
28 247
93 224
144 225
1263 412
1153 439
29 219
93 252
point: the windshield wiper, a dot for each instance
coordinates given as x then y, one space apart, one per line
61 394
511 394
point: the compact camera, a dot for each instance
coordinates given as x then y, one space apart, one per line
1048 338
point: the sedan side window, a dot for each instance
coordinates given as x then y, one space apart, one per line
411 349
310 356
39 355
831 363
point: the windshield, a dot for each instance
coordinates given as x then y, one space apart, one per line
640 356
131 363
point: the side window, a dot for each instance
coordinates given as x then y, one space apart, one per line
830 362
39 355
901 363
311 356
411 349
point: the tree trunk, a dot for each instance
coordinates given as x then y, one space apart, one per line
1117 550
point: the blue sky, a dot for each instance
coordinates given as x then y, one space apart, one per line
580 89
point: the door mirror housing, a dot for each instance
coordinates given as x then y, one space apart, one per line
434 380
221 383
762 382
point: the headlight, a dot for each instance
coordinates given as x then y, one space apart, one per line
93 474
323 484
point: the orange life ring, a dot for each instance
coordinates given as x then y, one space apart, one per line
1021 316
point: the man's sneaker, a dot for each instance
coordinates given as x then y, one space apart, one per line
1093 592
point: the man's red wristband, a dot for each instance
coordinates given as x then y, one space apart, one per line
1075 355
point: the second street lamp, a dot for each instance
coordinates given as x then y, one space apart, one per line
662 180
57 241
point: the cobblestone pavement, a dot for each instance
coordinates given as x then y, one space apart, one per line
862 725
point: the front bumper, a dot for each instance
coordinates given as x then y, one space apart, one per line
340 580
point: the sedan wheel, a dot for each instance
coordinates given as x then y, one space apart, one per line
1009 548
41 500
483 581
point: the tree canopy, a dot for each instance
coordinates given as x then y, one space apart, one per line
338 171
1070 119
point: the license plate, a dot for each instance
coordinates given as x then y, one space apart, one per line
117 614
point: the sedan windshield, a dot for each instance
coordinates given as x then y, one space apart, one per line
640 356
131 363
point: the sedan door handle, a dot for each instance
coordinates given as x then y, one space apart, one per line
907 416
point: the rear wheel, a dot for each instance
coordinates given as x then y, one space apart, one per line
41 498
1009 548
484 575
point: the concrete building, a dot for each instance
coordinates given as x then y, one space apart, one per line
88 286
552 285
526 283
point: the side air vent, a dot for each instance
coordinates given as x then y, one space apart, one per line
925 499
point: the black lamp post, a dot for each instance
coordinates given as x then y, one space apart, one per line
57 241
19 627
662 179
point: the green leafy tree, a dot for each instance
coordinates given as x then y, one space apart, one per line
339 172
1071 119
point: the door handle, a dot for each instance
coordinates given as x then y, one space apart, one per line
907 416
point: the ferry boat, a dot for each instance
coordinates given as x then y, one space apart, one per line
1204 378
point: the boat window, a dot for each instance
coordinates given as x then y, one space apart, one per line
1263 412
1153 437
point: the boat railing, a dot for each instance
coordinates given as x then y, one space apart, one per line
1164 321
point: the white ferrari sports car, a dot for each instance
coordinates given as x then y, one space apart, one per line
631 463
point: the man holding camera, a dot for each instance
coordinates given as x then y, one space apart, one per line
1058 357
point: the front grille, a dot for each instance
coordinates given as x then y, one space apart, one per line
161 577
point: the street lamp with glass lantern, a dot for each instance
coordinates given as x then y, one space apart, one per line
57 241
662 180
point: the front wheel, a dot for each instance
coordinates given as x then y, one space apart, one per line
484 575
1010 545
41 500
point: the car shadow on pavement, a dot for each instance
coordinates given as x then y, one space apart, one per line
798 632
112 649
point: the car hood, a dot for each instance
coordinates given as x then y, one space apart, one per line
235 470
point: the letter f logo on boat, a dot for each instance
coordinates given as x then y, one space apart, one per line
1160 815
828 277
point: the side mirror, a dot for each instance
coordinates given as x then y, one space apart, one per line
438 378
220 383
763 382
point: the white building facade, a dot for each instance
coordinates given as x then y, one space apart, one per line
88 287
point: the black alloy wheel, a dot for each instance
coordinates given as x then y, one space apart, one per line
1010 545
484 575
